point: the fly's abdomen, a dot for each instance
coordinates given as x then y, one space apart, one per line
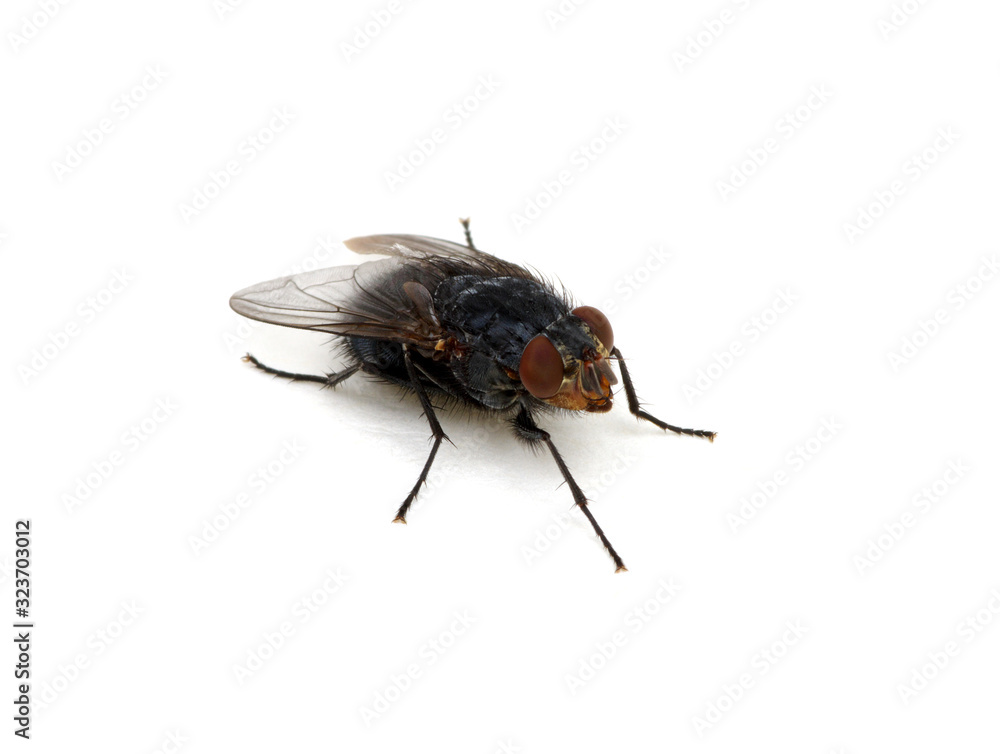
384 355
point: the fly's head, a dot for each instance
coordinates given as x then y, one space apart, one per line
567 365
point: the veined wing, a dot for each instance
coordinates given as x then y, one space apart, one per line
446 256
384 299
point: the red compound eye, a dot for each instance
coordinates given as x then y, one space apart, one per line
598 323
541 368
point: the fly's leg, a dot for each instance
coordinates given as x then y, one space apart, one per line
331 380
468 234
436 430
633 405
525 427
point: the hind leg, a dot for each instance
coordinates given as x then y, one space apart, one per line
331 380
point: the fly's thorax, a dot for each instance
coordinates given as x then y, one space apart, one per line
489 319
497 315
520 338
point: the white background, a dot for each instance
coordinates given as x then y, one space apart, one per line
892 81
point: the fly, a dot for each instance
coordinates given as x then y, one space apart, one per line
451 322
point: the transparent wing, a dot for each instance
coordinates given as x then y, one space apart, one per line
414 247
446 257
380 299
389 299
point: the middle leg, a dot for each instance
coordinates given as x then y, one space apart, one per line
468 234
436 430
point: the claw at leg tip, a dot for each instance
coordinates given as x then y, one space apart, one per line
621 569
399 520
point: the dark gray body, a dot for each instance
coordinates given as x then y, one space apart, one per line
491 320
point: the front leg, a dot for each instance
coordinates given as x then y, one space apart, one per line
633 404
525 427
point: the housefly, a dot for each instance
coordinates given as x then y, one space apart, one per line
452 323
